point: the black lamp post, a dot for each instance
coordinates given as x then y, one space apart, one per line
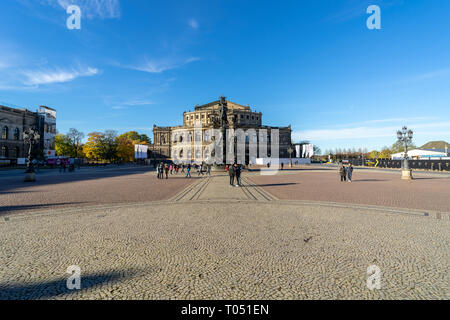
290 150
404 136
30 137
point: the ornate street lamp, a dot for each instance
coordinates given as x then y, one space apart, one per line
30 137
405 136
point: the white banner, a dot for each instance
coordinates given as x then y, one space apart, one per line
140 151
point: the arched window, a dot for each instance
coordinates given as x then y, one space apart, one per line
207 136
16 134
5 133
4 152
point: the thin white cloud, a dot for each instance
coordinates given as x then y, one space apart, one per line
103 9
161 65
193 24
40 77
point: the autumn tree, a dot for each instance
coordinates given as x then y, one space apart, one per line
125 149
374 154
93 147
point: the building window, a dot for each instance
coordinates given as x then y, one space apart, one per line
248 117
253 118
5 133
15 152
242 116
4 152
207 136
16 134
198 136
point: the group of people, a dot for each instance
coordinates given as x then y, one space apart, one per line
234 171
346 172
165 168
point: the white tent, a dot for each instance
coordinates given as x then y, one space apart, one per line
420 154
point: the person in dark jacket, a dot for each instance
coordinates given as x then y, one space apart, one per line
238 170
232 173
342 172
349 170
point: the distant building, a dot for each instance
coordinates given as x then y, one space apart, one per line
14 121
425 154
168 141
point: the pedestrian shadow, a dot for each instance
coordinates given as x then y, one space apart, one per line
24 207
55 288
369 180
273 184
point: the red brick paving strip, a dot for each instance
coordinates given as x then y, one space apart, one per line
65 192
382 189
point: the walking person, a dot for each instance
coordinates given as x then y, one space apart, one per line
161 170
342 172
349 172
182 168
171 169
157 171
188 170
208 169
238 169
232 173
166 169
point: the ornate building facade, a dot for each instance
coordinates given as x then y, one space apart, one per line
170 142
13 123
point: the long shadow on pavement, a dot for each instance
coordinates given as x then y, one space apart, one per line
50 289
8 209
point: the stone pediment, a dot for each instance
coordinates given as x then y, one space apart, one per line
215 105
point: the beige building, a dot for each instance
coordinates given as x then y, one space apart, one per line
14 121
170 142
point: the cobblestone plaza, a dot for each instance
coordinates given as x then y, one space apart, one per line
298 234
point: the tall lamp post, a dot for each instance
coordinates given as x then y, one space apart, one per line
30 137
404 136
290 150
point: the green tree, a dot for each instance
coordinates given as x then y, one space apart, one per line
108 145
399 147
75 138
63 146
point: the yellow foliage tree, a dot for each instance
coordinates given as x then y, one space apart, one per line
125 149
93 147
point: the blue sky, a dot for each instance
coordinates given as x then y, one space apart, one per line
311 64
